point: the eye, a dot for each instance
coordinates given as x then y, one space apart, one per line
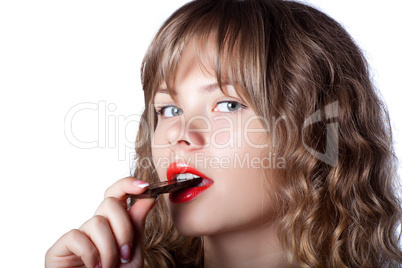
228 106
170 111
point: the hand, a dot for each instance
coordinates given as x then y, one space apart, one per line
112 237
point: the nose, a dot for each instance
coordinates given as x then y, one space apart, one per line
191 132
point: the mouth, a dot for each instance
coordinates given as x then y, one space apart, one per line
182 171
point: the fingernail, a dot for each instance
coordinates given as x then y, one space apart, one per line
125 253
141 184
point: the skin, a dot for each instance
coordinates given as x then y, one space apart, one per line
100 239
234 216
236 210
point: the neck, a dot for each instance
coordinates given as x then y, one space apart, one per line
252 247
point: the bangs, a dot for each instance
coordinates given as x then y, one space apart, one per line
226 40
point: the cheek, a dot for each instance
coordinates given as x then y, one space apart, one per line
255 135
161 155
241 131
245 192
241 178
242 140
240 201
159 138
222 135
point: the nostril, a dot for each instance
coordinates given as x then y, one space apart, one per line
174 142
183 142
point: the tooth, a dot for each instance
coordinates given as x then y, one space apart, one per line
186 176
181 177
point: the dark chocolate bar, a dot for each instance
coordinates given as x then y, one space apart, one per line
164 187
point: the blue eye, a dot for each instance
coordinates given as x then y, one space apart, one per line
228 106
170 111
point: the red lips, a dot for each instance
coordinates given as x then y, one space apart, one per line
187 194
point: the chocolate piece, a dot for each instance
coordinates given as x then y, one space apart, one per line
163 187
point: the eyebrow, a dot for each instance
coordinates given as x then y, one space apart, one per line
205 89
210 87
162 90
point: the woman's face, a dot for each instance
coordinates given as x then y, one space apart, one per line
219 136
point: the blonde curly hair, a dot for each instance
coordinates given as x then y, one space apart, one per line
337 204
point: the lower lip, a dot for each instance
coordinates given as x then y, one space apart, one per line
189 194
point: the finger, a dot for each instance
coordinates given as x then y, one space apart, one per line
99 232
128 185
120 224
70 245
138 213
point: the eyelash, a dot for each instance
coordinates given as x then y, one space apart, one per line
159 111
162 109
231 101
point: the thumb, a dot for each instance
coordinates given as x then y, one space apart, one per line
138 213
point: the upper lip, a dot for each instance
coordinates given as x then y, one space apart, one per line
179 168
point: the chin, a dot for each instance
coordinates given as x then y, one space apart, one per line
187 225
191 224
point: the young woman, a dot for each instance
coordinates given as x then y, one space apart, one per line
270 102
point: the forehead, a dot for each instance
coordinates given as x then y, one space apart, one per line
203 88
204 53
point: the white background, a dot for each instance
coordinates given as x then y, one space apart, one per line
57 54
